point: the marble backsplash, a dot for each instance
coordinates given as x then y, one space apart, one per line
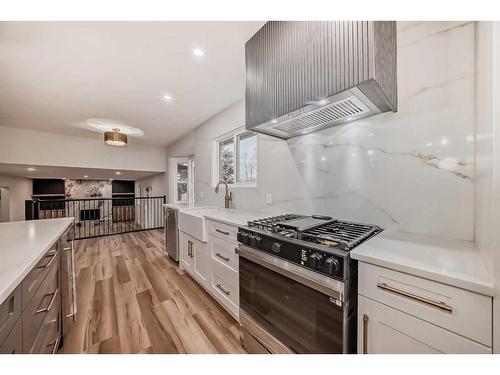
412 170
75 189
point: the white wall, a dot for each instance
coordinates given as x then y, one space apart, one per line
19 191
159 184
21 146
496 182
412 170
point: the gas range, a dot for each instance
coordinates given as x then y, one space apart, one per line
318 243
298 283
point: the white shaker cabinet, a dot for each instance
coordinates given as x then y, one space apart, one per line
193 257
402 313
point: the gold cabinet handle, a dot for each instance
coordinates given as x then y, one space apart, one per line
47 309
55 345
49 263
190 249
222 257
439 304
365 333
222 232
226 292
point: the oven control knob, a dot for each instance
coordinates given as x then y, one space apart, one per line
258 241
276 247
251 240
315 260
331 266
243 237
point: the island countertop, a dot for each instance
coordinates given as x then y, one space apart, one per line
22 245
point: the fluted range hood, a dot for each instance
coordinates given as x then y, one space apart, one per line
306 76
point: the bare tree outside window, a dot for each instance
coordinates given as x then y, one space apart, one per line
238 158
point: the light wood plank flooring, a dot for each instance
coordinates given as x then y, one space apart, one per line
134 299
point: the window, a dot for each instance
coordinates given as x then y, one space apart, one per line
236 158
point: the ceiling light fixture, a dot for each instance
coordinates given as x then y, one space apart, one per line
198 52
115 138
167 97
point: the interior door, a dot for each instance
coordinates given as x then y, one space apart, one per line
181 180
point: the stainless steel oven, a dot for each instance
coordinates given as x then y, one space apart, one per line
286 308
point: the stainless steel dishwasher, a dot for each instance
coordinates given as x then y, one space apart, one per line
171 234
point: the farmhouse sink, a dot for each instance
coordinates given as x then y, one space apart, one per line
192 221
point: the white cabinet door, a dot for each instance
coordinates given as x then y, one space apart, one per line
186 252
384 330
201 265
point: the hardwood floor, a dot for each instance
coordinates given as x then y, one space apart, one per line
134 299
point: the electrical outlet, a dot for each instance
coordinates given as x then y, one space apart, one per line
269 198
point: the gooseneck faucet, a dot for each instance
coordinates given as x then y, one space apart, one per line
228 197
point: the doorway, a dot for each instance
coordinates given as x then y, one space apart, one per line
4 204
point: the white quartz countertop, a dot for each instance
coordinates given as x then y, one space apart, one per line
22 245
183 206
233 216
452 262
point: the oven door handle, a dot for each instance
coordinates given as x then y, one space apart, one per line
323 284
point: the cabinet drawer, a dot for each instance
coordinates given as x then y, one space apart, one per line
224 285
42 303
222 231
47 340
10 311
384 330
222 252
33 280
13 343
466 313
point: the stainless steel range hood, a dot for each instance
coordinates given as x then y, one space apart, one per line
306 76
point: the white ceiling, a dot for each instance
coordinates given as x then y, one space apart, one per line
40 171
55 75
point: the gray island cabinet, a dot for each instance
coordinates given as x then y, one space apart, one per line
37 290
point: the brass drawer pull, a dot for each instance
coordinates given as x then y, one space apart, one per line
47 309
222 232
365 333
222 257
226 292
49 263
190 249
438 304
55 345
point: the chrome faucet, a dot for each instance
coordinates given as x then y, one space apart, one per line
228 197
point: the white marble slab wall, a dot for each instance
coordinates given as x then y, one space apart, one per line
89 189
412 170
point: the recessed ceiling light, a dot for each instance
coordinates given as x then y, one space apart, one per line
167 97
118 172
198 52
85 176
30 169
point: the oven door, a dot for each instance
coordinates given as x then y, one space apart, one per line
299 308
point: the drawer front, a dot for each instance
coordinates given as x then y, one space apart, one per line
33 280
13 344
222 231
10 311
222 252
42 303
225 287
384 330
47 340
460 311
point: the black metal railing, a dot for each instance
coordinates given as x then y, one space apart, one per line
103 216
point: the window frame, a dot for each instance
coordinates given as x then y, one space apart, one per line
215 158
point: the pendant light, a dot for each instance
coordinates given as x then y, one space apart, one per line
115 138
